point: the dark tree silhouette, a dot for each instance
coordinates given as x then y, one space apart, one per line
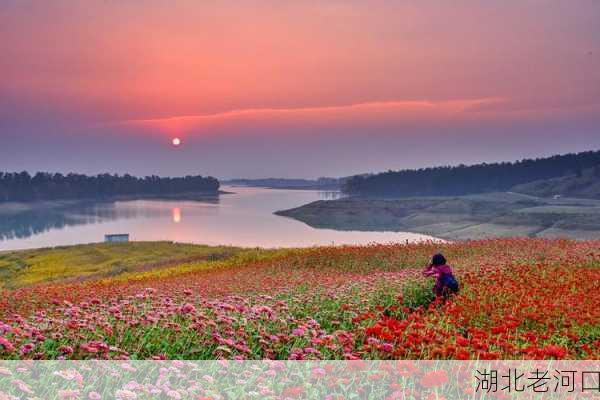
462 179
21 186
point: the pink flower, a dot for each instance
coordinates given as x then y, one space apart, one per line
264 309
4 396
68 394
387 347
174 394
298 332
87 348
4 328
70 375
94 396
188 308
128 367
66 349
22 386
27 348
125 395
8 346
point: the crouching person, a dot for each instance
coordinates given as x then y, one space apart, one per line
445 284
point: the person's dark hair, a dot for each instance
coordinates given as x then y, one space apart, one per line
438 259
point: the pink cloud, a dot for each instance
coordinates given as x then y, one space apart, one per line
382 110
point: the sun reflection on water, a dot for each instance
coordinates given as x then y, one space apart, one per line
177 215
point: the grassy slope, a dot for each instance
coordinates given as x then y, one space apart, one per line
587 186
29 267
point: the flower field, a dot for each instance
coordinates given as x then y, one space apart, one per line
520 299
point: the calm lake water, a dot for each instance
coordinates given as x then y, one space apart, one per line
244 218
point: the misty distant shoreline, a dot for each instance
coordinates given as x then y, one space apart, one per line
489 215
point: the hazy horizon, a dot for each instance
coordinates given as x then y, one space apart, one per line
32 172
258 89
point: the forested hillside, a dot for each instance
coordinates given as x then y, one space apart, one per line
21 186
463 179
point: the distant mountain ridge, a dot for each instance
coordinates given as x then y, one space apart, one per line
479 178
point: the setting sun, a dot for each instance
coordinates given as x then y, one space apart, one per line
176 141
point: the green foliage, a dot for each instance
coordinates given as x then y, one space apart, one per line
418 294
588 333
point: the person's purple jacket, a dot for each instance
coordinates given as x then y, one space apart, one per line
438 271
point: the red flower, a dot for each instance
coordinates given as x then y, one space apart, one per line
463 355
462 341
555 351
434 378
292 391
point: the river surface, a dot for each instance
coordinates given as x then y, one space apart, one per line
243 218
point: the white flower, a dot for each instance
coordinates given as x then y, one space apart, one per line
68 394
132 385
70 375
125 395
128 367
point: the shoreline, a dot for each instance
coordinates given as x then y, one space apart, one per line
21 206
483 216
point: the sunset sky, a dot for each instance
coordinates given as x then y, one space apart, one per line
293 88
